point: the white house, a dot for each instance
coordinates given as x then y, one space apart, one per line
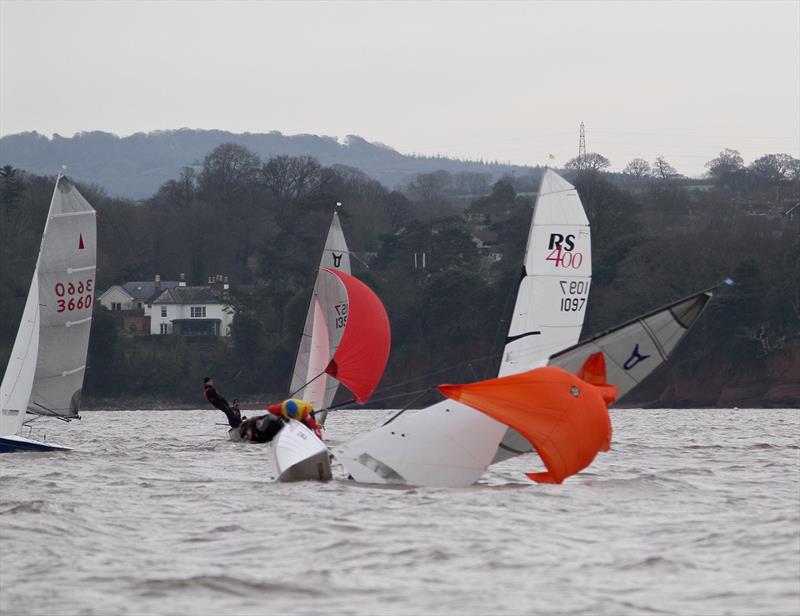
191 311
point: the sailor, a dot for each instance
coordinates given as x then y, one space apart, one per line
300 410
260 429
234 415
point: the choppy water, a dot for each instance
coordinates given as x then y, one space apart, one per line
692 512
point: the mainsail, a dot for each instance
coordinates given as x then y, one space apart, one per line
449 443
551 300
633 350
54 332
318 342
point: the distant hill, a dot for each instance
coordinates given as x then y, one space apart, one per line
137 165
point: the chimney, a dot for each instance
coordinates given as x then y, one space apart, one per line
225 285
158 284
182 281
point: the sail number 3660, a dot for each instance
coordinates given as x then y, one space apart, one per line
71 296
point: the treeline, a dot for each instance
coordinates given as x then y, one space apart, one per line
656 237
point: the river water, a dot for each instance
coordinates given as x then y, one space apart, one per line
691 512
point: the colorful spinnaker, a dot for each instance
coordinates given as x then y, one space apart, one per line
361 355
563 417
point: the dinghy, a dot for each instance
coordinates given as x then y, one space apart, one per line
298 455
45 372
450 443
346 340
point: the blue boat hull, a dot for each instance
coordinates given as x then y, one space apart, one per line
14 444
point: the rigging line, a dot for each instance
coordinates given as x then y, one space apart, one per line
306 384
445 369
405 408
338 407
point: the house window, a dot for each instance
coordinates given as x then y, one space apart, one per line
164 311
164 328
198 312
116 306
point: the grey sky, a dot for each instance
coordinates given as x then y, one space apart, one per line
506 81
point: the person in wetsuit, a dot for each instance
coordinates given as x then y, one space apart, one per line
234 415
260 429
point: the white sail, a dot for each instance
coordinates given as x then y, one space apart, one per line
49 356
320 340
635 349
15 391
551 301
451 444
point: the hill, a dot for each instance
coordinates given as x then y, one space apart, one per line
135 166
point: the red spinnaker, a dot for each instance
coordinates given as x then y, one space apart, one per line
563 417
361 358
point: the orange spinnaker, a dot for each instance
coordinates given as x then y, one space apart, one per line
564 418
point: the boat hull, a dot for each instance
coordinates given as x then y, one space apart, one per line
298 455
15 444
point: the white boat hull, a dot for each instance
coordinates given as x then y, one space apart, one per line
298 455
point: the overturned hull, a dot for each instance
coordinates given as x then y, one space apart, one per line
298 455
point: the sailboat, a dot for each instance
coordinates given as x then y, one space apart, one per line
346 340
450 443
45 372
356 320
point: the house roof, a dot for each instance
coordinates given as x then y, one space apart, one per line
190 295
144 290
116 286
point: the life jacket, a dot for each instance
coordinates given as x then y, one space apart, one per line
296 409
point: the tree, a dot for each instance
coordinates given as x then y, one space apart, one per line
728 162
772 168
228 171
291 177
590 162
11 186
663 170
638 169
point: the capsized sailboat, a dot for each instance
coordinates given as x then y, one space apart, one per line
356 320
450 443
564 417
45 372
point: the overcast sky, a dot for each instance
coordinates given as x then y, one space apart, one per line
505 81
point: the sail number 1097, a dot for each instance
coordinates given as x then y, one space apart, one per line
575 292
74 295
